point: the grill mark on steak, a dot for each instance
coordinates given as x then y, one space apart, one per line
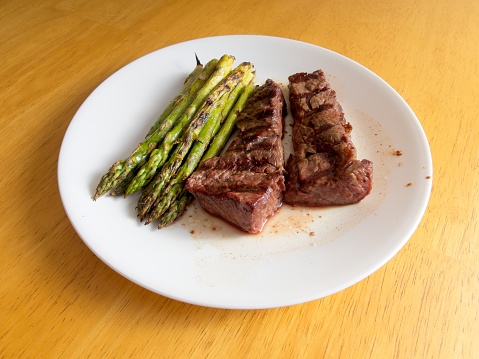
324 169
244 186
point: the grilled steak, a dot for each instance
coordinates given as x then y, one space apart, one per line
244 185
323 169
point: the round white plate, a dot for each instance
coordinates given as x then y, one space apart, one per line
302 254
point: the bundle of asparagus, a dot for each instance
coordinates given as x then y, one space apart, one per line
194 127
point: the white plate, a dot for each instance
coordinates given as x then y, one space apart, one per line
302 254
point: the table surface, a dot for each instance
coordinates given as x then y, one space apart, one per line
57 299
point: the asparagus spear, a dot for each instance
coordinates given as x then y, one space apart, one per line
121 187
209 110
166 124
182 97
176 210
159 156
221 133
229 125
120 170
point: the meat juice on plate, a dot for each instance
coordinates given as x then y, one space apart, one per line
300 228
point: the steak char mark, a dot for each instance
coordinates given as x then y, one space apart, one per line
244 186
323 170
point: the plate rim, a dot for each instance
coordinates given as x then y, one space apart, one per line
412 229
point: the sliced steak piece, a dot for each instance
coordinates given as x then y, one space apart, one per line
323 170
244 186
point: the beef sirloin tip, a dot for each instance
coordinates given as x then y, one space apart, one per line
244 186
323 170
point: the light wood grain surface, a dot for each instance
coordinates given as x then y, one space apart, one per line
58 300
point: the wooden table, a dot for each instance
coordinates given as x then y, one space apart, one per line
58 300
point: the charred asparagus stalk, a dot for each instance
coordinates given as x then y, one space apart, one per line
182 98
180 105
160 154
176 210
200 89
228 126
